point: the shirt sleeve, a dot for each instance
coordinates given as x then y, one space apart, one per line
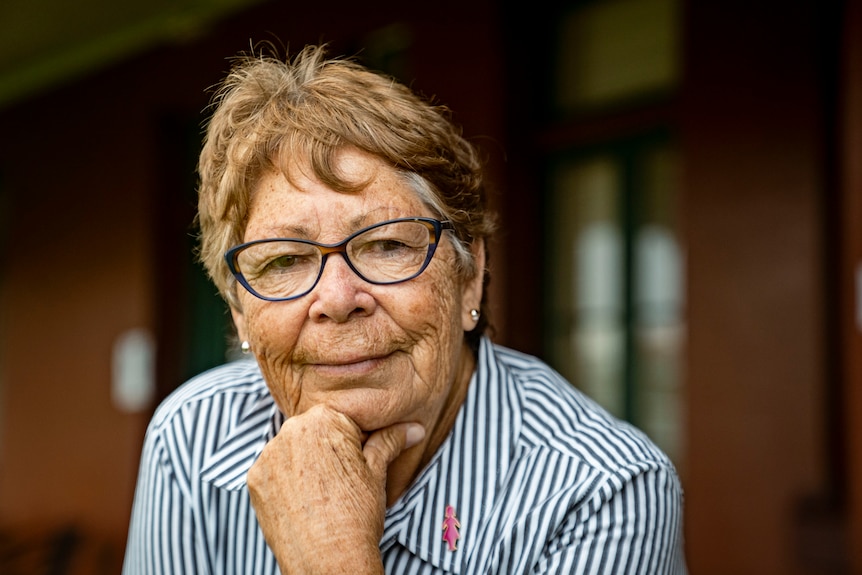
162 532
631 526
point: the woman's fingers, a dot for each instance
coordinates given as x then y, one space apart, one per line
384 445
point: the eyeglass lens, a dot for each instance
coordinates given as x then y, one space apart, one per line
388 253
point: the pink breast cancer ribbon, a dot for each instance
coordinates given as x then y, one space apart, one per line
450 528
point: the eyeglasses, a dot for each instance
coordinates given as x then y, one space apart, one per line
389 252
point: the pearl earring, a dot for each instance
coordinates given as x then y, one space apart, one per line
474 314
245 347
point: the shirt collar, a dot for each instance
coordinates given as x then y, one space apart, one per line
465 473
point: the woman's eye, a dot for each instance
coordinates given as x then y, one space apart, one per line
390 245
386 248
285 263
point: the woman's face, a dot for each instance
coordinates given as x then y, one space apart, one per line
380 354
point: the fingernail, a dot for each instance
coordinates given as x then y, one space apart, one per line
414 434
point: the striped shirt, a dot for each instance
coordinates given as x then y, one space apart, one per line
538 477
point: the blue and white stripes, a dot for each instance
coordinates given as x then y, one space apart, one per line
541 479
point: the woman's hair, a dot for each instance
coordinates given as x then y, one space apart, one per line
273 114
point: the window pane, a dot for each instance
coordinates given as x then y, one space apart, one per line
615 281
659 302
586 280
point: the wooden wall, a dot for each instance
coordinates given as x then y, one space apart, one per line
851 276
757 126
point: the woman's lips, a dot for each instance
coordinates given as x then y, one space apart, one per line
349 361
349 365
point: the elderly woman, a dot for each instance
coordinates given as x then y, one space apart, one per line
377 430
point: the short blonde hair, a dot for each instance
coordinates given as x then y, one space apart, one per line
271 113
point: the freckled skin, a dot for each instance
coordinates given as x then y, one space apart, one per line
352 365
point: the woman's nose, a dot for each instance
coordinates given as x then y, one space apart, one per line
340 294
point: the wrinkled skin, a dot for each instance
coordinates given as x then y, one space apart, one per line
370 377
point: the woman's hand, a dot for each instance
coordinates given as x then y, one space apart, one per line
320 495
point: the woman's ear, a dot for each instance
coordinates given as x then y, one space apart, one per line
239 323
471 298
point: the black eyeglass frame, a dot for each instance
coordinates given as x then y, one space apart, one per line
326 250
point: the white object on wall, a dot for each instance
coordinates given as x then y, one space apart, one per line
133 385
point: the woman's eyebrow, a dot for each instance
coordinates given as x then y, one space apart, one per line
287 231
372 217
300 231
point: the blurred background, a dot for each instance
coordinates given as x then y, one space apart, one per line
679 185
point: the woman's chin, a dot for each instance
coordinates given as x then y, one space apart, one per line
369 408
